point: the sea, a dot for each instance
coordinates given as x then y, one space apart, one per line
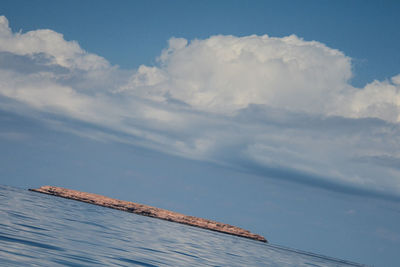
43 230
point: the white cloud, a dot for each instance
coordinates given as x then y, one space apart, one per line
52 44
377 99
225 73
273 106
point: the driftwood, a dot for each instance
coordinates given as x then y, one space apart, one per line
147 211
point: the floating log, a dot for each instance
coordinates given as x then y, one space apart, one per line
146 210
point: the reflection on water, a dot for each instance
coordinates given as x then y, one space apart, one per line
42 230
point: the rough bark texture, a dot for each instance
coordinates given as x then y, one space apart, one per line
147 211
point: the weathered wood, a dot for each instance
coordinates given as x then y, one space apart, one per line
146 210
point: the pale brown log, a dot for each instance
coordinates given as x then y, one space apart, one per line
147 211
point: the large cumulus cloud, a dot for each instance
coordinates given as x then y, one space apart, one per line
226 73
280 107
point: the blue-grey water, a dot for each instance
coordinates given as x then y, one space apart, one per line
43 230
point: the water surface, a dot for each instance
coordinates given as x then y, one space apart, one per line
43 230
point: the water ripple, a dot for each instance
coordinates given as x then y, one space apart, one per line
141 263
28 242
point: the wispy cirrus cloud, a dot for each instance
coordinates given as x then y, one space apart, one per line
279 107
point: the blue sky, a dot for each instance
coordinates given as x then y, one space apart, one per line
278 116
363 30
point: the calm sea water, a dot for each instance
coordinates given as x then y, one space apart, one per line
42 230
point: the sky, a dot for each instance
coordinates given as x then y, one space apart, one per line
281 117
